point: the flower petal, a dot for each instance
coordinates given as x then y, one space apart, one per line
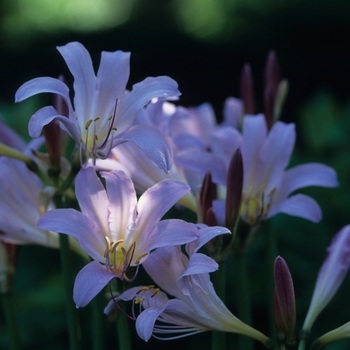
199 162
150 141
276 153
168 233
299 205
92 198
331 275
89 282
141 94
79 63
200 263
157 200
254 134
75 224
122 203
311 174
146 320
165 266
44 85
44 116
204 236
112 77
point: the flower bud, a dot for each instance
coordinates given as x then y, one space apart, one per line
285 314
234 190
247 90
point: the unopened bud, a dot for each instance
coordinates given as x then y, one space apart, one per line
207 195
285 300
234 190
247 90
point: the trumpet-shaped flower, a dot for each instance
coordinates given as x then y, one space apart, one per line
131 159
330 276
267 185
103 110
195 307
115 229
24 197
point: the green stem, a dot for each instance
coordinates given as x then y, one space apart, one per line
218 340
72 318
302 345
271 255
243 298
123 331
98 324
8 305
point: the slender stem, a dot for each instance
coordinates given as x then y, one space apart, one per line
302 345
72 318
124 340
271 254
8 305
243 298
98 324
218 340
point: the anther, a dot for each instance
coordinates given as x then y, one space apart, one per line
88 123
155 292
140 258
139 300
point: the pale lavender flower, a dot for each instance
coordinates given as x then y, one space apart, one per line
24 198
330 276
176 124
115 229
103 110
267 185
195 307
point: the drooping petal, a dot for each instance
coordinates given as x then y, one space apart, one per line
89 282
200 263
92 198
331 275
146 320
75 224
311 174
157 200
165 266
299 205
44 116
150 141
141 94
44 85
168 233
204 236
79 63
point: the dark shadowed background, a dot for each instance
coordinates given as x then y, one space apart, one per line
202 44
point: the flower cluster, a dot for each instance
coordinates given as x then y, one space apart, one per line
138 159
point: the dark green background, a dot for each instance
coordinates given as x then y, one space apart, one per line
311 39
